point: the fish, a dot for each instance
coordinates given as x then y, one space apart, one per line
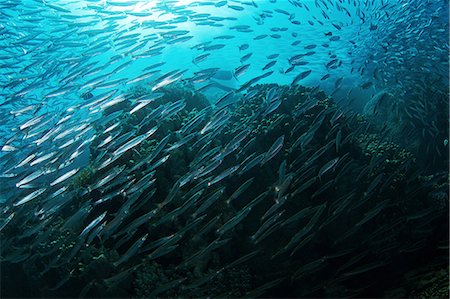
111 175
310 267
167 79
92 224
279 201
251 162
139 78
209 201
236 7
133 142
217 243
30 196
243 47
366 85
240 70
245 57
240 190
230 224
75 221
64 177
301 76
7 220
267 228
131 251
273 150
373 184
181 142
263 288
259 37
328 166
224 174
221 118
269 65
29 178
272 106
295 240
374 211
273 94
213 47
365 268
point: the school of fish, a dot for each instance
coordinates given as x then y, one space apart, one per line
112 157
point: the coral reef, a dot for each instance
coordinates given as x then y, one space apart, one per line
302 200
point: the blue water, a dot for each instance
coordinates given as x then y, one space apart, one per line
66 40
358 134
